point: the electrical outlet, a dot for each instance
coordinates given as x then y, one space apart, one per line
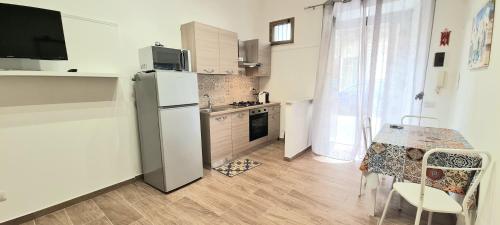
3 196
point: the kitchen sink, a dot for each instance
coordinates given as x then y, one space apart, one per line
216 109
206 110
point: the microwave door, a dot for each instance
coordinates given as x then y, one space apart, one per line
167 59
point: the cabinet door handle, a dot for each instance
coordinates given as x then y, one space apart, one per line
222 118
209 71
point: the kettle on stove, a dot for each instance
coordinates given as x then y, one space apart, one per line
264 97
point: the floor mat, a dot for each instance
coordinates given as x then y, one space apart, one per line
237 166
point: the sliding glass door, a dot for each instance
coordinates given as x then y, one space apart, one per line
372 64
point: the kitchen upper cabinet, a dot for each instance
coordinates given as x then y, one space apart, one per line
258 52
228 56
206 42
213 50
265 60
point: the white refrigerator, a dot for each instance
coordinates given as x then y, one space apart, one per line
169 128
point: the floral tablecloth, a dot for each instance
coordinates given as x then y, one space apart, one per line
399 153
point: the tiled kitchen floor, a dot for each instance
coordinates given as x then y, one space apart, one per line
304 191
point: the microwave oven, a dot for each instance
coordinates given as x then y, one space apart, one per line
161 58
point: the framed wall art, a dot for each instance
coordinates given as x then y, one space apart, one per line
481 37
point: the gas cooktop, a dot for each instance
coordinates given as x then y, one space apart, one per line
245 104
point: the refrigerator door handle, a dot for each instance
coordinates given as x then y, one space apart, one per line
178 106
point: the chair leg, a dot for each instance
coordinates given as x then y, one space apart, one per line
386 207
467 218
360 185
418 217
400 207
372 195
429 219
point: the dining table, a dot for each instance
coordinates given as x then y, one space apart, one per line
397 151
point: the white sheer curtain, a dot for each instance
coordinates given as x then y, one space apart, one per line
373 59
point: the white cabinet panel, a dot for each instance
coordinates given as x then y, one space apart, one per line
181 143
177 88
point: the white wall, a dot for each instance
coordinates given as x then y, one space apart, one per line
50 151
449 15
468 101
294 65
475 110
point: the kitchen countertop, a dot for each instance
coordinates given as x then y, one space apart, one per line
236 109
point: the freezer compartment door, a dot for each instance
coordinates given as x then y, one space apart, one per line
176 88
181 142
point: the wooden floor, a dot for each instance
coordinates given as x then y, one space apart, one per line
304 191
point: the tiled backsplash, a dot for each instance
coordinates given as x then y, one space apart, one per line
225 89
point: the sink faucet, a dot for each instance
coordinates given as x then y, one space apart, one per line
255 93
209 100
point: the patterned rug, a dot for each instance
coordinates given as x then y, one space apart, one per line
237 166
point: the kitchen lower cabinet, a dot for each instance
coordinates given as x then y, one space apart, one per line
226 137
274 124
216 139
240 132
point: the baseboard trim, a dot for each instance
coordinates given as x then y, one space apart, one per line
70 202
298 154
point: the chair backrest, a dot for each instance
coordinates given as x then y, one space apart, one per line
420 118
367 132
483 163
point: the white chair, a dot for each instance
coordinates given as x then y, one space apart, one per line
367 138
420 118
434 200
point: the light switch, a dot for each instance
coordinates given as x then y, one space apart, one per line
3 197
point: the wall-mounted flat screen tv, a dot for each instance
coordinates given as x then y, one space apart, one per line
32 33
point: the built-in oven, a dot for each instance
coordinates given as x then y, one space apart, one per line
258 123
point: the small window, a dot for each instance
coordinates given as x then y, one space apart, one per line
281 31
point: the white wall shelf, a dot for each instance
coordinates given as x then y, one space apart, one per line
24 73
